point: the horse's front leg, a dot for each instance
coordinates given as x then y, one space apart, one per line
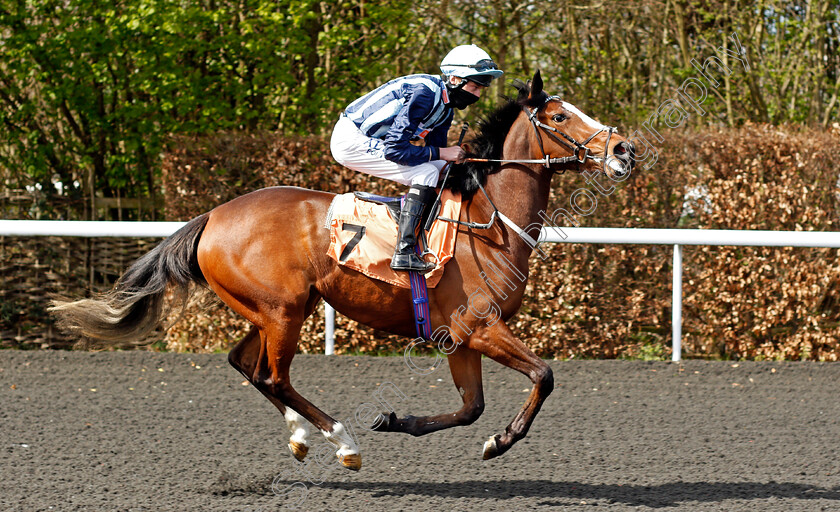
465 366
498 343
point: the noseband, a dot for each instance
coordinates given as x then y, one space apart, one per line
580 152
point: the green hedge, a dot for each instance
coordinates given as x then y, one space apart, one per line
591 300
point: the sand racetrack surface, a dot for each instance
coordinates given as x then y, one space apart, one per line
146 431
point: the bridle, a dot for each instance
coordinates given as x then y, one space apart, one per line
580 152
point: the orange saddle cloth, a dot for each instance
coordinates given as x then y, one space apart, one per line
363 236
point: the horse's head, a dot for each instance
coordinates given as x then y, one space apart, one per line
568 138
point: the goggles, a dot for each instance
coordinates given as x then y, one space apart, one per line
480 66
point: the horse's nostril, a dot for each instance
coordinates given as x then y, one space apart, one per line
626 152
623 149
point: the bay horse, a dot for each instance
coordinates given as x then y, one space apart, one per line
265 255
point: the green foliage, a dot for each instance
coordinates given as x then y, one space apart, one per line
90 91
649 351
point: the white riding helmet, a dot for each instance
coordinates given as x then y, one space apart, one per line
470 62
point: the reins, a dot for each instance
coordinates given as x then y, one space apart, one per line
580 153
487 225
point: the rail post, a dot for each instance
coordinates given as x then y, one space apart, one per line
676 306
675 237
329 330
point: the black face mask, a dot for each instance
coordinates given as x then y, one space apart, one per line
461 99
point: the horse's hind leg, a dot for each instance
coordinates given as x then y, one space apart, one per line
244 357
465 366
278 342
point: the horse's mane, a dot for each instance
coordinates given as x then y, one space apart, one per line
488 143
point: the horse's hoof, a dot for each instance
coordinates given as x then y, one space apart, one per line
352 461
299 450
382 422
491 449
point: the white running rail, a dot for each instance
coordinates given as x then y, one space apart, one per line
90 229
675 237
680 237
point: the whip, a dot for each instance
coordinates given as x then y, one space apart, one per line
435 209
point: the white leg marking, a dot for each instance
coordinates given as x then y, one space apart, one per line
296 423
342 440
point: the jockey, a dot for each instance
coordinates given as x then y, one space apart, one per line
378 134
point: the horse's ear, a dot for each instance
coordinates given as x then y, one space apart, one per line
536 86
521 89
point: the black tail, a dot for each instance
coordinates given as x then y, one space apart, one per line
135 307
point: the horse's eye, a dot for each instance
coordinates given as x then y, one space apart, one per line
559 118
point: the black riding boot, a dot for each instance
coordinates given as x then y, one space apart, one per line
405 258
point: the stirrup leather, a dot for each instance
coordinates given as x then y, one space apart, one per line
405 255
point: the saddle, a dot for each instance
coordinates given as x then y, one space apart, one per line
394 204
363 234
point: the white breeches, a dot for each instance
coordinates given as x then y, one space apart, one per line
355 150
